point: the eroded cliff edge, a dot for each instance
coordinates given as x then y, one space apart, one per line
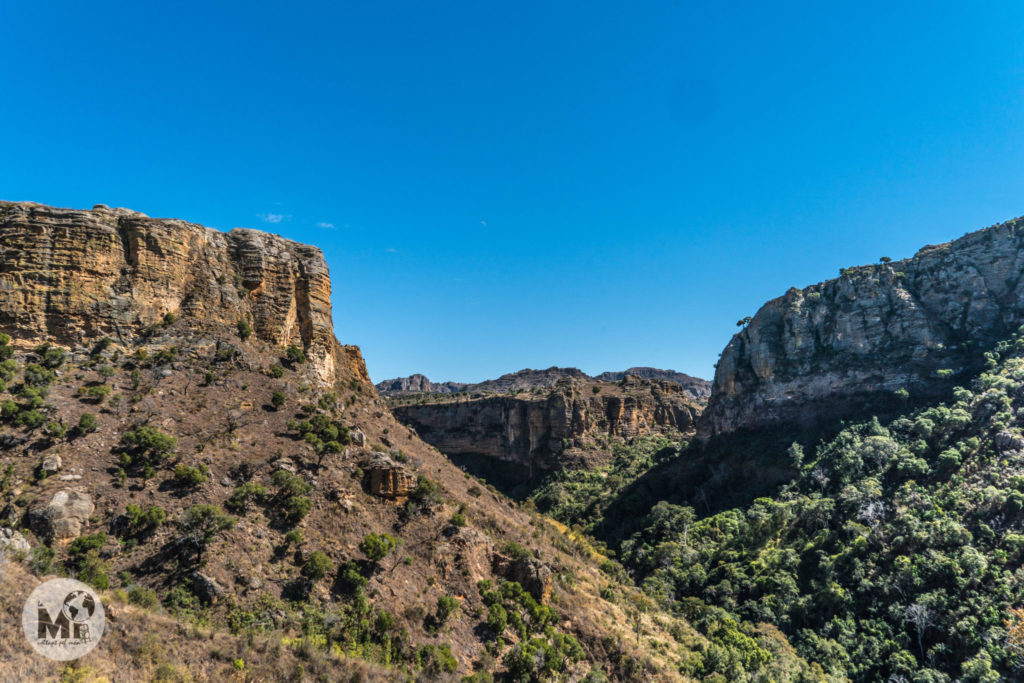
68 276
566 425
855 342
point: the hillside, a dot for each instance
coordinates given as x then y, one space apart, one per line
181 430
886 548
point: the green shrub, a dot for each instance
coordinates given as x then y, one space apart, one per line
317 566
294 355
143 597
276 371
244 329
185 475
446 607
377 547
296 508
278 399
56 430
87 423
245 494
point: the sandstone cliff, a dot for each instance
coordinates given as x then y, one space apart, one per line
548 429
850 343
69 276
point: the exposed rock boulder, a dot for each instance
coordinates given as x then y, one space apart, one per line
386 478
12 541
206 588
534 576
64 517
51 465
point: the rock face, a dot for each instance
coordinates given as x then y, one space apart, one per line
813 353
388 479
536 429
63 517
69 276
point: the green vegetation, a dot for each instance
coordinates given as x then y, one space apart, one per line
447 606
201 524
187 476
244 329
245 495
293 355
893 552
291 494
278 399
378 546
87 423
145 448
317 566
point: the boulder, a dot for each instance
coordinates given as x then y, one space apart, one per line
207 588
358 437
534 576
387 478
64 517
13 541
51 464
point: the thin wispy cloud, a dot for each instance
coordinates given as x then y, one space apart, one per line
325 225
483 223
392 250
275 217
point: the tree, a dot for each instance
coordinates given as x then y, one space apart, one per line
919 616
87 423
244 329
201 524
317 566
743 321
377 547
278 399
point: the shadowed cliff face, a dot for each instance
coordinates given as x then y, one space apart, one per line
554 428
67 276
849 343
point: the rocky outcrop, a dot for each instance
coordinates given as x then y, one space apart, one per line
536 429
852 342
387 478
69 276
534 576
697 388
64 517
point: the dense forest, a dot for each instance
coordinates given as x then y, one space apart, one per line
892 550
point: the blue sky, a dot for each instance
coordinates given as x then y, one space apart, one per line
525 184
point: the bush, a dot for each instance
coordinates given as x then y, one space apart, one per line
317 566
296 508
459 519
244 329
446 607
497 618
276 371
31 419
377 547
87 423
149 440
436 659
278 399
294 355
37 375
56 430
516 551
98 393
143 521
143 597
245 494
191 476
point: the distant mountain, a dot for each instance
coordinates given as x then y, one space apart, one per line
695 386
528 379
417 384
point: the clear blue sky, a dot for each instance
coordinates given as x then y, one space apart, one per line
526 184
